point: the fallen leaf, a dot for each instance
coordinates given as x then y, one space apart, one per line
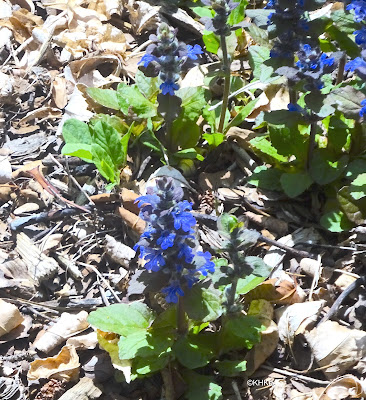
10 317
63 366
67 326
344 387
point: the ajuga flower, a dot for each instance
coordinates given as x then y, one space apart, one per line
167 58
218 24
359 8
168 243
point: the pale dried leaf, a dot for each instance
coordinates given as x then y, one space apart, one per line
67 326
118 252
64 366
344 387
10 317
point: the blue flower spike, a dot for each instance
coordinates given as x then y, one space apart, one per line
168 243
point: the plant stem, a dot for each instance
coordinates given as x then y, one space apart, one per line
226 70
293 94
232 293
311 144
168 384
181 317
340 72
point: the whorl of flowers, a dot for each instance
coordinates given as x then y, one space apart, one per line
358 65
218 24
288 26
166 57
168 243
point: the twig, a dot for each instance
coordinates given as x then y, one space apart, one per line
294 375
226 69
168 384
335 307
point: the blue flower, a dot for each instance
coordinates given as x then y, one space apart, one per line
361 37
363 109
166 240
194 51
146 60
154 258
294 107
357 65
151 199
208 266
359 7
168 87
172 292
185 252
184 220
312 59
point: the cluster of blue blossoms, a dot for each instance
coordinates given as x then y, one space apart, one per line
358 65
166 58
168 243
218 24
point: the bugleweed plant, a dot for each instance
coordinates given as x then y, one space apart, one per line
192 318
318 141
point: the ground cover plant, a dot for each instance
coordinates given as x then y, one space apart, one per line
201 209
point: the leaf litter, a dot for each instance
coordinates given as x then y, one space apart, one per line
66 243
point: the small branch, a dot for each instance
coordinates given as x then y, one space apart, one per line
181 317
311 144
340 72
294 375
226 70
335 307
168 384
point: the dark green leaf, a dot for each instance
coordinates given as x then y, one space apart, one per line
123 319
149 139
288 140
145 366
323 170
357 188
104 163
355 168
231 368
338 131
266 178
203 304
347 100
344 41
260 273
239 332
294 184
264 146
344 21
201 387
194 351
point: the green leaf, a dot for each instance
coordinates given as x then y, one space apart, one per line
148 86
353 209
104 163
184 132
355 167
357 188
145 366
338 131
335 221
266 178
202 11
344 41
131 97
231 368
323 170
211 41
203 304
239 332
194 351
214 139
258 55
242 114
294 184
145 344
227 223
260 272
238 14
264 146
201 387
260 36
187 153
78 139
344 21
149 139
123 319
347 100
105 97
